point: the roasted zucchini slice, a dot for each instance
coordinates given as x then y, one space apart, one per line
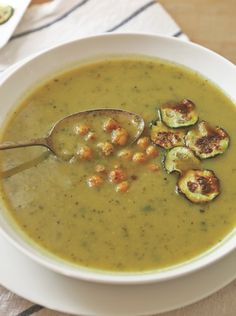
207 141
180 159
165 137
6 12
180 114
199 186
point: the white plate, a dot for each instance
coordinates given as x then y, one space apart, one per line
28 279
36 283
8 28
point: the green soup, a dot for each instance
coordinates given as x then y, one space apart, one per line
147 227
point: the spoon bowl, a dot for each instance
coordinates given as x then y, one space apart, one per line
133 121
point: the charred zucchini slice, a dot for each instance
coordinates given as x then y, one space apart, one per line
207 141
5 13
180 114
165 137
180 159
199 186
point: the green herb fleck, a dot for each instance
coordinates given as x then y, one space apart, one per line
148 208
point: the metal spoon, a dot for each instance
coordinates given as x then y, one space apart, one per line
48 141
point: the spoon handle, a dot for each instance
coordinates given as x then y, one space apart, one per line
32 142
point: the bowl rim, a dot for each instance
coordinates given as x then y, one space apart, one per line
201 261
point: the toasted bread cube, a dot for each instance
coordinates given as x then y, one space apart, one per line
122 187
151 151
118 175
125 154
106 148
110 125
82 129
143 142
119 136
95 181
85 153
139 157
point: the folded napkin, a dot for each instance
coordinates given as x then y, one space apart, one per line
58 21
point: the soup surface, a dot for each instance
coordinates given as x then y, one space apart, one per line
148 225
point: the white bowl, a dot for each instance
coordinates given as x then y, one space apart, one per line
209 64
